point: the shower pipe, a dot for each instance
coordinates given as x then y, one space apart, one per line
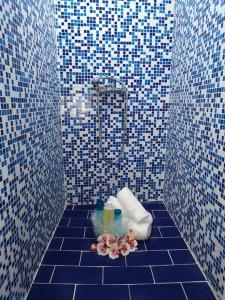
101 90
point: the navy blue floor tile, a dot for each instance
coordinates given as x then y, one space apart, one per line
161 214
163 222
165 243
80 223
77 244
75 214
157 292
154 206
69 207
84 207
182 257
140 246
55 244
177 273
169 231
44 274
88 275
198 291
147 258
64 222
109 292
69 232
61 258
128 275
51 291
89 233
155 232
93 259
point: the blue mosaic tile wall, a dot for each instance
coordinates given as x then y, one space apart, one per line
130 40
195 161
31 166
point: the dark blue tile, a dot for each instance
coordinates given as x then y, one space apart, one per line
69 207
51 291
165 243
61 258
127 275
93 259
64 222
89 233
155 232
77 244
154 206
157 292
75 214
177 273
111 292
161 214
80 223
84 207
147 258
182 257
44 274
55 244
198 291
163 222
140 246
69 232
169 231
77 275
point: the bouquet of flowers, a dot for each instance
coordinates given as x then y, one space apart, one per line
114 246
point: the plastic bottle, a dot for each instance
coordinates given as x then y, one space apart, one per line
108 217
98 217
117 230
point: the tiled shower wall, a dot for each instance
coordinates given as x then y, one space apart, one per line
130 40
195 162
31 167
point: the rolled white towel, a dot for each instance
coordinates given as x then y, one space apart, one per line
142 231
132 206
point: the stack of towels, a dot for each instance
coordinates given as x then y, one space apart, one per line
138 219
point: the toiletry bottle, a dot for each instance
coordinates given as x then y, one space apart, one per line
99 217
108 217
117 224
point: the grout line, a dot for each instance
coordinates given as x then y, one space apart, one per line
125 261
88 214
152 274
117 266
160 232
74 292
80 258
129 291
61 244
50 280
84 232
137 251
145 247
103 275
68 225
170 257
184 291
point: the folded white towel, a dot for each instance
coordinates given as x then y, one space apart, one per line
132 206
115 203
142 231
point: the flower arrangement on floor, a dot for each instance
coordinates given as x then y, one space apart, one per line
114 246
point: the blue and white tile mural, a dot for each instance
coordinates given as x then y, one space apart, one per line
195 161
130 40
31 167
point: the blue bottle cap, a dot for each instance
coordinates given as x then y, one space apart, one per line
99 205
117 212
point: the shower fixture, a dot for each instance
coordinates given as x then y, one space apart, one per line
113 86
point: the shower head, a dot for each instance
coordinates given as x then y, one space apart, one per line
95 81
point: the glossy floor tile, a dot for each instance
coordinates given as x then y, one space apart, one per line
161 269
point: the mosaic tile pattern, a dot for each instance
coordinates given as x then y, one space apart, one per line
130 40
31 166
195 163
161 268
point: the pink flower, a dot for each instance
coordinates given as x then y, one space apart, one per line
125 249
113 252
93 247
102 238
133 245
102 249
120 242
110 240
